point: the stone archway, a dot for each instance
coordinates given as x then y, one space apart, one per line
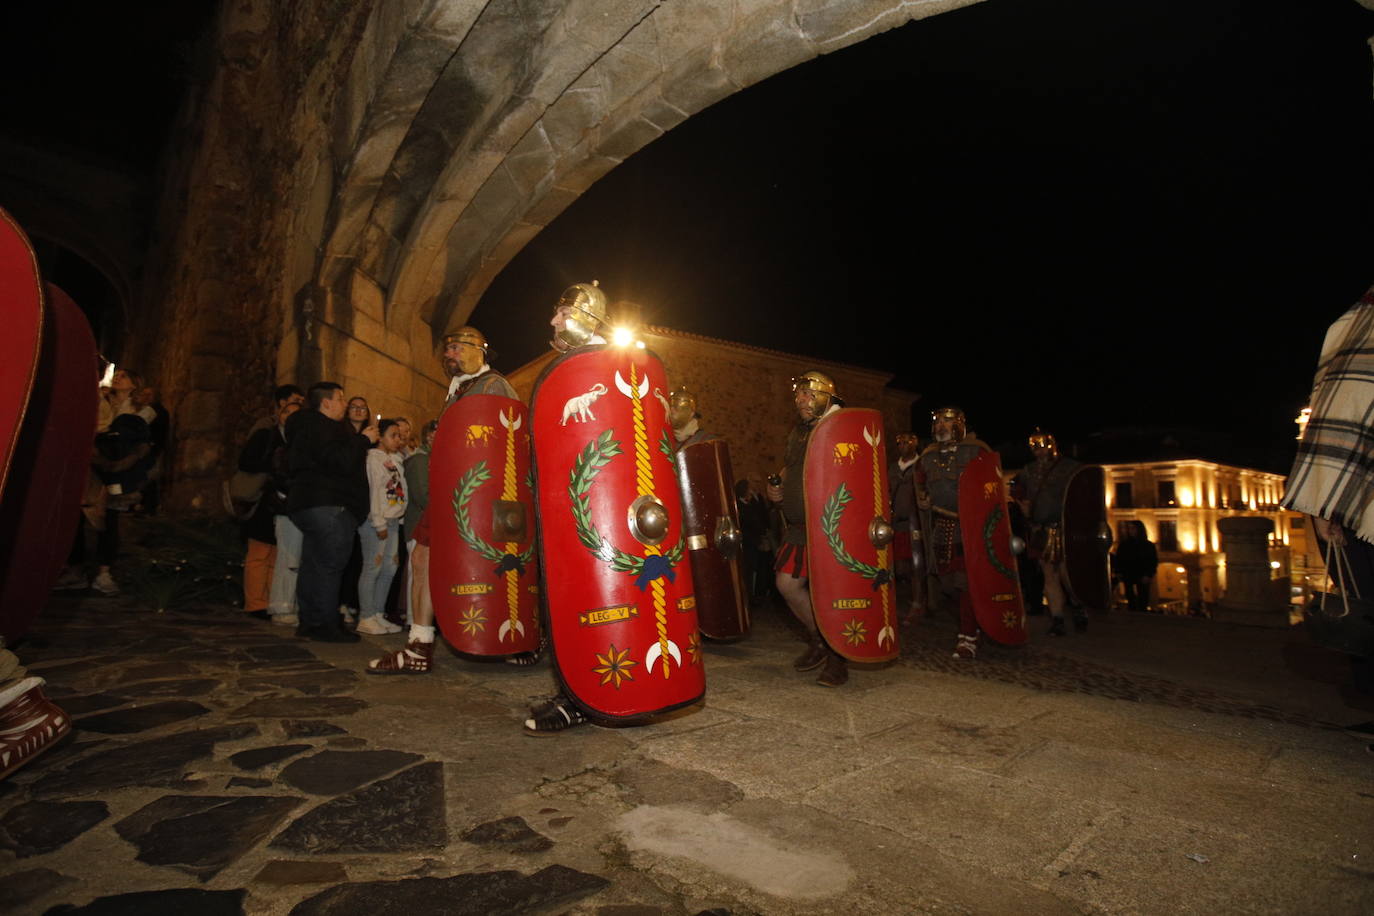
355 173
486 123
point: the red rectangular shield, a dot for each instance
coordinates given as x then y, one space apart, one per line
483 577
849 556
622 611
993 584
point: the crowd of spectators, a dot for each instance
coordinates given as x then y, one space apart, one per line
324 500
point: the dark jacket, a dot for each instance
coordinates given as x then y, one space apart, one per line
265 453
1136 559
327 463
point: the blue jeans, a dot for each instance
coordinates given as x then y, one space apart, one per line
326 543
379 567
283 599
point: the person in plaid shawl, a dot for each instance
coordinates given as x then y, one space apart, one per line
1333 475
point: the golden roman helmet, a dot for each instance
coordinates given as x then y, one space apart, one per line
906 439
467 334
682 405
956 418
471 352
586 305
1042 439
814 381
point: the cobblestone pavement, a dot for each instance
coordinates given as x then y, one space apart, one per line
218 764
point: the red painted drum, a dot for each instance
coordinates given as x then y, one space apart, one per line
993 585
711 526
41 503
1087 538
849 534
483 577
21 292
622 611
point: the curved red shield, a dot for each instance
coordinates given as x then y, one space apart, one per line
41 503
622 613
21 293
851 575
483 576
993 585
711 526
1087 538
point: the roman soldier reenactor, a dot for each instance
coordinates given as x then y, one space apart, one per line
901 484
461 544
835 567
1040 488
711 520
620 601
967 535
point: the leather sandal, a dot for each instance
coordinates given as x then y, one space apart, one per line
836 671
415 658
527 659
815 655
553 716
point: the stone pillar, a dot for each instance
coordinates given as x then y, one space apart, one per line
1252 596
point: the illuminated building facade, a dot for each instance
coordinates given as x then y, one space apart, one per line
1180 503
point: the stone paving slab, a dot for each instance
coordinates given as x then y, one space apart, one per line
1054 780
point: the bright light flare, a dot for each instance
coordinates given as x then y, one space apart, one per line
107 381
622 337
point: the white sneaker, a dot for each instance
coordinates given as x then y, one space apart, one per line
377 626
286 620
105 584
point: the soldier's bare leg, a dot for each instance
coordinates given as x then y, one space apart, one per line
418 655
1056 590
798 598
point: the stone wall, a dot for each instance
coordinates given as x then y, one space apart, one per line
225 259
744 393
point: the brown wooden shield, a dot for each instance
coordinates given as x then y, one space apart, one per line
710 522
621 605
848 554
483 577
1087 538
993 584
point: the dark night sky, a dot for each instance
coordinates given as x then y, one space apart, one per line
1069 213
1059 212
